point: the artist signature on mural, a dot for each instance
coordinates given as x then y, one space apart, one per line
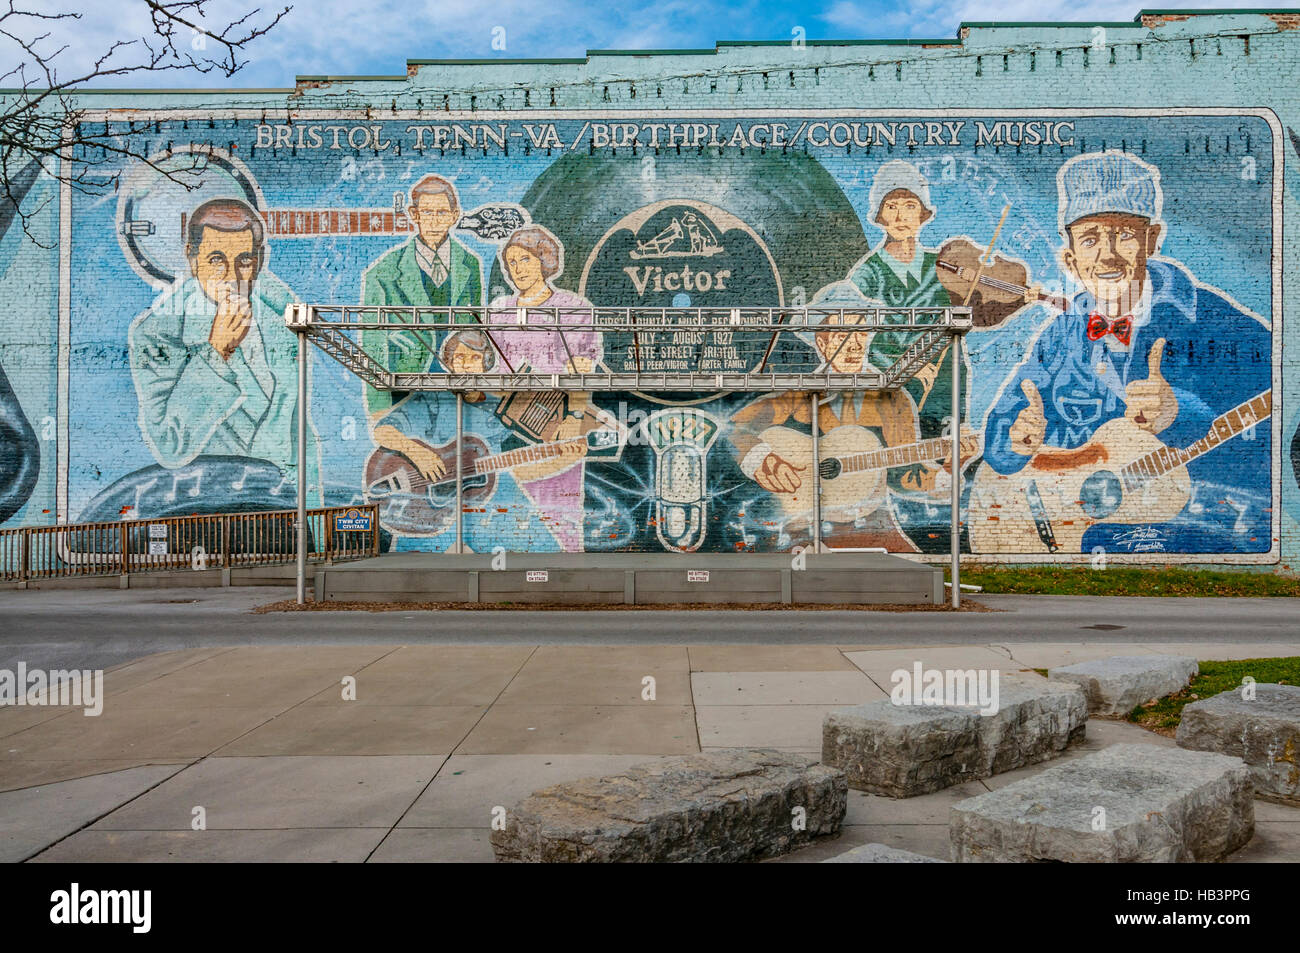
1142 539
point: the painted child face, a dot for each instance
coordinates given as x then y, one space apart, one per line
1108 254
226 264
466 360
851 345
433 216
902 215
525 267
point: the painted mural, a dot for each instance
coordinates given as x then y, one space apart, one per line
1116 389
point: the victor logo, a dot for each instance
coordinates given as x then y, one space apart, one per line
687 233
654 278
76 906
681 253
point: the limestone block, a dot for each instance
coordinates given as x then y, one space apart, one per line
1115 686
906 750
734 804
1126 804
1263 732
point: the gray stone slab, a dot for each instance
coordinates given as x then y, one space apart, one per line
1127 804
656 578
1117 685
1272 844
880 854
592 581
470 787
1264 732
906 750
723 806
441 845
300 845
280 793
35 817
488 562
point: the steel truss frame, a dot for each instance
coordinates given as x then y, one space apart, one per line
330 327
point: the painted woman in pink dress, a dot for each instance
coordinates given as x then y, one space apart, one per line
531 258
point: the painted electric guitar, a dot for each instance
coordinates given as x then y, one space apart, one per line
1122 475
158 194
413 504
852 470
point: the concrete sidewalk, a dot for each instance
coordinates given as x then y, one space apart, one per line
284 769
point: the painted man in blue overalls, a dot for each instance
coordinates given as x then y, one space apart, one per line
1146 340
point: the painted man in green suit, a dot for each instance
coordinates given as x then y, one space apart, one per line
430 270
900 273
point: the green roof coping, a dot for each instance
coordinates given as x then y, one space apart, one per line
1136 21
911 41
1051 24
705 52
343 79
566 61
1216 11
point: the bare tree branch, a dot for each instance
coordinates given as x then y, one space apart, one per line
41 122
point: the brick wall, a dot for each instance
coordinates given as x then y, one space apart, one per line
753 175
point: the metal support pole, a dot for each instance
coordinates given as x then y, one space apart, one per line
460 474
816 478
955 350
302 468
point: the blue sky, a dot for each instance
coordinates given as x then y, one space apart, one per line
352 37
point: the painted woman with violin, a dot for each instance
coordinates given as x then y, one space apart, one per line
901 273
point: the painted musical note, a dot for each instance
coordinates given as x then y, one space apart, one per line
182 477
139 495
239 484
1239 527
747 539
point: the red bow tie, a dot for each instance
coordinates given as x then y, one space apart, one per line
1099 326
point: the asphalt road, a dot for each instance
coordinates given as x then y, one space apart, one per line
100 628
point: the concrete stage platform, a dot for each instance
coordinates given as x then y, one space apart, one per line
633 578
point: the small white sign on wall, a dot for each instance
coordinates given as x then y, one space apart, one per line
157 530
157 548
697 575
537 575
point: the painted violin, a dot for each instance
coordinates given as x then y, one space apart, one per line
994 289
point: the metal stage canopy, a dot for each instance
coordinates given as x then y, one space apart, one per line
759 330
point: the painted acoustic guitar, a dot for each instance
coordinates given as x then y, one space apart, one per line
413 504
852 470
1122 475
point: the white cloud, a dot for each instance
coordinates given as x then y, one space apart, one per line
931 18
348 37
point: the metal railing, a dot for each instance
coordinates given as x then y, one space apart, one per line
206 541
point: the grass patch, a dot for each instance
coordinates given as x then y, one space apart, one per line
1164 714
1128 581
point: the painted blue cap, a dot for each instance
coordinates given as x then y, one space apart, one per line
1099 182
